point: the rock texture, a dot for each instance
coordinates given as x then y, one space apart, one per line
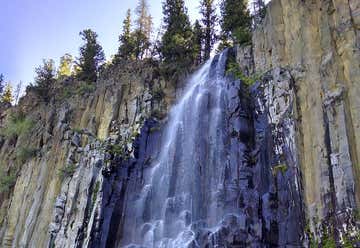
236 184
67 135
285 169
318 41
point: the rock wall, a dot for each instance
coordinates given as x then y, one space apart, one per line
299 179
318 41
70 137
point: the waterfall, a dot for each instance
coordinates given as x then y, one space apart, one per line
184 187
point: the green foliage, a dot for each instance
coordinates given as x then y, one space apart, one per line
7 180
233 68
127 41
177 48
25 153
91 56
224 42
236 21
7 96
44 79
17 125
209 19
95 192
77 130
356 213
67 92
347 243
280 168
328 241
85 88
241 36
67 171
312 240
197 41
79 88
116 150
66 63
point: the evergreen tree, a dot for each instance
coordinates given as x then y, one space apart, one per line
224 42
7 97
127 43
66 63
45 78
236 21
208 12
198 38
177 48
91 56
143 29
2 84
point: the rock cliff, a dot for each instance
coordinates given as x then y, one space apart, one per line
318 41
275 164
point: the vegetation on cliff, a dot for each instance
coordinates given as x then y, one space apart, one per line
177 49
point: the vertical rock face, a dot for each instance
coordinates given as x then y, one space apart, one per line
70 138
223 171
271 165
319 42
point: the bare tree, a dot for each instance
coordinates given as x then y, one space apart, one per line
17 92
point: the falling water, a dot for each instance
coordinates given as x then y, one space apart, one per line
183 190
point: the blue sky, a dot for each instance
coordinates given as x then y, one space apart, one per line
31 30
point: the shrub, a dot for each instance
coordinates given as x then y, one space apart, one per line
280 168
25 153
116 150
95 192
77 130
85 88
6 181
17 125
328 240
67 171
67 93
233 69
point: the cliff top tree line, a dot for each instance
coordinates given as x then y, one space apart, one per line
179 45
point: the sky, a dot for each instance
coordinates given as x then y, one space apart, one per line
31 30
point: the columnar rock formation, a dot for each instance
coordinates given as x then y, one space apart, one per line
318 41
285 152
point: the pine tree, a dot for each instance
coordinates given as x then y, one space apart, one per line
236 21
224 42
91 56
198 38
45 78
177 48
126 39
7 97
2 84
209 18
66 63
143 29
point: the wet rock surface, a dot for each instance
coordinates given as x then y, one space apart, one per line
255 195
273 165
